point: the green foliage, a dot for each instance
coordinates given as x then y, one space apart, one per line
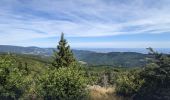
157 78
65 83
30 77
17 78
128 82
10 79
95 74
63 56
65 80
114 59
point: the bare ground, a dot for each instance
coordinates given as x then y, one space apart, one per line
102 93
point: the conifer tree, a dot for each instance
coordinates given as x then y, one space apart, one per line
20 66
63 56
26 68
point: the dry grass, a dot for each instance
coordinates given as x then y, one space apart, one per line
101 93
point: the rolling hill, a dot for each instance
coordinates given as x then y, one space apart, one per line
122 59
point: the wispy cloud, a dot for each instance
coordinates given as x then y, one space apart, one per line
24 20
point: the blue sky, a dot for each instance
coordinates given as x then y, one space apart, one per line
86 23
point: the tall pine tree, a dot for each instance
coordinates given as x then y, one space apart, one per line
63 56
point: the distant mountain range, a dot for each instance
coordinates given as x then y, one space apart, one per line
138 50
27 50
93 58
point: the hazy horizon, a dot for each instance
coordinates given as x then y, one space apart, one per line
106 50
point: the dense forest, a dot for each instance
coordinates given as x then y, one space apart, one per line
64 77
92 58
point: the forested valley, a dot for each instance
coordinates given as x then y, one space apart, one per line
63 77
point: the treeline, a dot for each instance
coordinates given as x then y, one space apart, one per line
149 83
66 79
152 82
63 79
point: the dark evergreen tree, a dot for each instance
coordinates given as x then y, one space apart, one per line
26 68
63 56
20 66
157 78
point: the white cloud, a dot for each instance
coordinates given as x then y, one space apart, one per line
33 19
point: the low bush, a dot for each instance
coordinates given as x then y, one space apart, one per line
10 79
128 83
67 83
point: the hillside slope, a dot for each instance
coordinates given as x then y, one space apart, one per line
123 59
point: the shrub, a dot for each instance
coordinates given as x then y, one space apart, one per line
64 83
128 83
10 79
157 79
15 82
